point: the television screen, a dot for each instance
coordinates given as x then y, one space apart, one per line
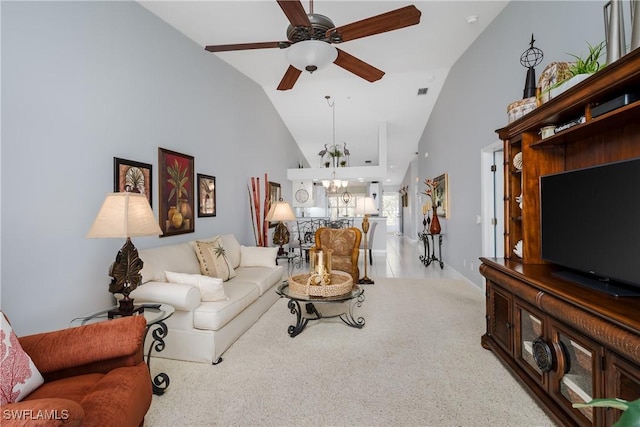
590 221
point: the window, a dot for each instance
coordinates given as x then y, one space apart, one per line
337 208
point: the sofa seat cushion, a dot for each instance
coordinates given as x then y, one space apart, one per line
263 277
213 315
180 296
180 257
95 393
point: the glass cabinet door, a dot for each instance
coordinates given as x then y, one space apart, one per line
529 327
577 374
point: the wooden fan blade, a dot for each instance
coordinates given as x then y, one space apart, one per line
358 67
290 78
394 20
295 13
242 46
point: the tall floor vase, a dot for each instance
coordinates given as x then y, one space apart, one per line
614 30
435 228
635 24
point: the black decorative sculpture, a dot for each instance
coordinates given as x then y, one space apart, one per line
529 59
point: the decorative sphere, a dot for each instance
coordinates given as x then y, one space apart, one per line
531 57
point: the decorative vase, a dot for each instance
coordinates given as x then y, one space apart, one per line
176 220
185 209
434 228
172 210
568 84
614 30
635 25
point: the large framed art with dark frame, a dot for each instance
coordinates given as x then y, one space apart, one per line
176 192
133 177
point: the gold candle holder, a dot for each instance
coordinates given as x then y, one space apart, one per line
320 264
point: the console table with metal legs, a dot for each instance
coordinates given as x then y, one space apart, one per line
430 249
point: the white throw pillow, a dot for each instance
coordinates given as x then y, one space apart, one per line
211 288
213 259
232 247
258 256
19 374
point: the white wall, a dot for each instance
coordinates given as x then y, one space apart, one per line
473 104
82 83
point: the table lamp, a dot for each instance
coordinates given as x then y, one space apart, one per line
125 215
365 206
280 211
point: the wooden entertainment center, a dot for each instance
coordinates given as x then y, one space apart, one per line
564 342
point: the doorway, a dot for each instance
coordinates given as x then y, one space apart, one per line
391 210
491 194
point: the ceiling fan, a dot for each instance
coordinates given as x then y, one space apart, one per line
310 40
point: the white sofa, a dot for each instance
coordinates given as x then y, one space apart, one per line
200 331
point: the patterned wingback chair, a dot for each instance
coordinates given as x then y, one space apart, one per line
345 244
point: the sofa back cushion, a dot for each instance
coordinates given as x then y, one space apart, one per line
179 257
258 256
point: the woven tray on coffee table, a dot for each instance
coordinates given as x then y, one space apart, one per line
341 283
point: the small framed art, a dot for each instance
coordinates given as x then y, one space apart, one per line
132 177
274 196
442 194
206 195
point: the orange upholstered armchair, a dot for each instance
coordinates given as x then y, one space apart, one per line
345 244
95 375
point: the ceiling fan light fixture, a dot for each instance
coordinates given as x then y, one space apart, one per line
311 55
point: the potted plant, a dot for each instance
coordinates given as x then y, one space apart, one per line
629 418
343 163
580 69
335 154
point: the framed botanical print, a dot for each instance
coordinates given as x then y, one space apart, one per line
206 195
132 177
176 192
442 194
274 196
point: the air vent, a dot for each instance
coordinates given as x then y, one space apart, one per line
423 91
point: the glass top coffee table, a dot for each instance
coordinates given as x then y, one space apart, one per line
352 299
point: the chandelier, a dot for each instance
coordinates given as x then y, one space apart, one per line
334 184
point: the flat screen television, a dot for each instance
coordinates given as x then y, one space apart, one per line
590 223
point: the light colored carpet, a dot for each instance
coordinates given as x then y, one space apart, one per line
417 362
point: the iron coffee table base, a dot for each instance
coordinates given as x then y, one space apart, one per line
353 299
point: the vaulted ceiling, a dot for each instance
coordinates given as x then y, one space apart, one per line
413 58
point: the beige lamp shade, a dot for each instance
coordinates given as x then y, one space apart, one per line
280 211
366 206
124 215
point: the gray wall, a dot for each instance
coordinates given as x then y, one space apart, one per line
473 102
82 83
